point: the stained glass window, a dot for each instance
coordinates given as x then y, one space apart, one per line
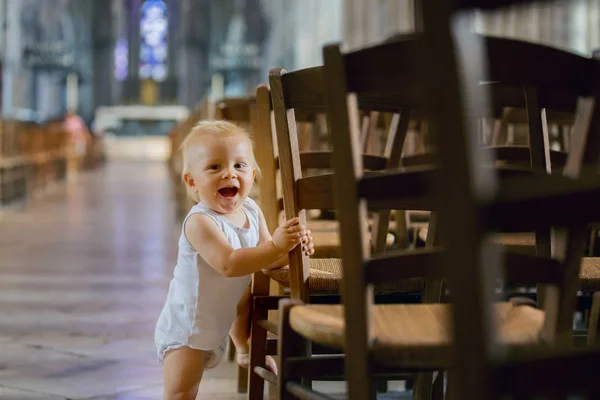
153 47
121 59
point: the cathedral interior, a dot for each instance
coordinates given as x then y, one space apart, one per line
96 99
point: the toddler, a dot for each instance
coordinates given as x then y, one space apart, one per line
224 240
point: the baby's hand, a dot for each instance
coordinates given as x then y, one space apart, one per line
289 234
308 247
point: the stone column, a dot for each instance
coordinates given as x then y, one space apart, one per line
133 37
131 85
168 87
174 18
119 27
11 61
191 44
82 13
103 42
55 24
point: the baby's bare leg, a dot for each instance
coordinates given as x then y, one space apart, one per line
240 329
182 370
240 334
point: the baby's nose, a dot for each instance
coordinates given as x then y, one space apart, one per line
229 172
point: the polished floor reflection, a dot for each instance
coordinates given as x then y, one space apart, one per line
83 274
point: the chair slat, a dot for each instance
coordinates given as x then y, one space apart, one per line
529 370
510 154
263 139
561 198
393 266
387 68
314 192
525 63
291 172
518 268
238 111
322 160
303 89
399 189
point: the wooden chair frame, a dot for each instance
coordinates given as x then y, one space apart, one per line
354 68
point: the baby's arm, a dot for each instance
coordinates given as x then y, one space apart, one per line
265 237
210 243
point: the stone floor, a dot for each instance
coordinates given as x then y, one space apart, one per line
83 275
84 272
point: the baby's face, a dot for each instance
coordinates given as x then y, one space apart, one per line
223 172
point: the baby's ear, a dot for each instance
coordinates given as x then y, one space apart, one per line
188 179
254 174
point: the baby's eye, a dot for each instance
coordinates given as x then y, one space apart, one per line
240 165
213 167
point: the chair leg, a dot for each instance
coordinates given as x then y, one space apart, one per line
242 383
382 386
423 386
231 352
592 246
594 316
451 390
258 351
438 386
290 344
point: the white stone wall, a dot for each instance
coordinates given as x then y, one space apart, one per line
300 28
370 21
572 25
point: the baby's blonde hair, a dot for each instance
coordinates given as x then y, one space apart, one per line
214 127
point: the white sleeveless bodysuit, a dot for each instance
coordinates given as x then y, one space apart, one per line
202 304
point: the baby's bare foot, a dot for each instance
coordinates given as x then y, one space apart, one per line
243 360
271 364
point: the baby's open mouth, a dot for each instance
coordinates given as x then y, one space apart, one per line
228 191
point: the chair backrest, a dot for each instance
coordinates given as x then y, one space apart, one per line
516 117
311 158
234 109
267 154
411 72
300 93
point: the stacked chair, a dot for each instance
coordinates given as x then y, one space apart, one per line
465 340
317 279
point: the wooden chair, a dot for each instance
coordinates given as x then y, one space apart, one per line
533 152
377 338
244 112
481 374
525 155
310 276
